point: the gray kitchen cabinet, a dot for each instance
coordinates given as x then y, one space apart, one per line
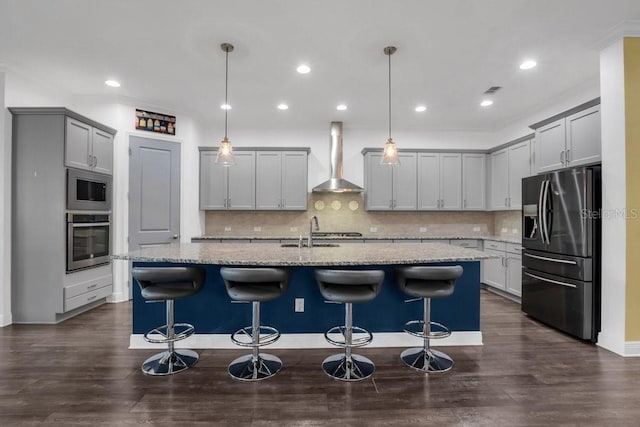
439 181
504 272
87 147
281 180
474 181
390 187
227 187
44 142
508 166
465 243
569 141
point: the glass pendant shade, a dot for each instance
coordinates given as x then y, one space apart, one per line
390 154
225 153
225 150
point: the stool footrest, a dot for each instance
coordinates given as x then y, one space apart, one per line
181 331
355 341
244 337
416 328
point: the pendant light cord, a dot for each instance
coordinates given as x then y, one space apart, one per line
226 90
389 96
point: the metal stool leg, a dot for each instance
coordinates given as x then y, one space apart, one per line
424 358
171 361
348 366
255 366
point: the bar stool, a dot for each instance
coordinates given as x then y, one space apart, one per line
168 284
255 285
426 283
348 287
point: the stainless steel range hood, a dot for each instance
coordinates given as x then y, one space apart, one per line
337 184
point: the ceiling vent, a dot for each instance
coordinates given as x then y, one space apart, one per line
492 90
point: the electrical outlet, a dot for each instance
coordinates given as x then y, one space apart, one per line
257 228
476 228
299 305
293 229
423 229
373 229
227 228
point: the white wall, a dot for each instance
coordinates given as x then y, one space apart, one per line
614 232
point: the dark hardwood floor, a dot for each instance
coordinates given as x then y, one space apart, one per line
80 372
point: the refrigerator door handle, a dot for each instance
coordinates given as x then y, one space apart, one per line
555 282
540 217
544 258
545 199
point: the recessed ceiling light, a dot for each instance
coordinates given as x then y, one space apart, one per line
225 107
421 108
341 107
486 103
528 64
303 69
112 83
283 107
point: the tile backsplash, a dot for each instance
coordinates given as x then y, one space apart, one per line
345 212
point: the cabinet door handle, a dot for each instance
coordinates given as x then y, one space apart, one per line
509 201
562 156
567 157
95 161
464 203
506 203
229 203
89 160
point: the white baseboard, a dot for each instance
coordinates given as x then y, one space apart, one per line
632 349
290 341
5 320
117 297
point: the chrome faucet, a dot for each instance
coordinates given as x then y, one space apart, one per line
311 221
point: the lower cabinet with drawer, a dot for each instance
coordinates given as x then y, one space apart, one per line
84 293
465 243
504 272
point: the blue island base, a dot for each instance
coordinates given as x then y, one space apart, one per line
215 316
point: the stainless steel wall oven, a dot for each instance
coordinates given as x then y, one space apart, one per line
88 240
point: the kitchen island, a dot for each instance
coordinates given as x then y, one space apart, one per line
215 316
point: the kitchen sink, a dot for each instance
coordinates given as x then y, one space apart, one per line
315 245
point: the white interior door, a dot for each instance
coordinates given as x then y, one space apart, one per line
154 192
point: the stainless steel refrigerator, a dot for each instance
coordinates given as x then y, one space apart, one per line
561 250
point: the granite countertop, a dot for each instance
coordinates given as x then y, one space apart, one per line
273 254
516 240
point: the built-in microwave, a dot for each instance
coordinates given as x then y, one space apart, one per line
88 191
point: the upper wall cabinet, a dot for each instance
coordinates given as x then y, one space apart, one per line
474 173
390 187
261 179
569 139
508 166
281 180
439 181
88 147
228 188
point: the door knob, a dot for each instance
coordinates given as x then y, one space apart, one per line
175 236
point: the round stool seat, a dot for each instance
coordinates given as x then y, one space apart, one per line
255 284
163 283
428 282
349 286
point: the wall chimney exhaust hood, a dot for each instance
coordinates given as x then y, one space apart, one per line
337 184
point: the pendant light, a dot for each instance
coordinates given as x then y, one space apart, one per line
225 151
390 153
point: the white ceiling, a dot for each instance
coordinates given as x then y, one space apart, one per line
167 53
